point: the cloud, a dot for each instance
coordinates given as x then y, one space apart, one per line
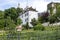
40 5
7 3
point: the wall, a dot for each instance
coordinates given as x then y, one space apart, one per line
32 14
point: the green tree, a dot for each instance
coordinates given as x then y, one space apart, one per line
58 11
1 14
34 22
40 19
1 19
53 18
19 10
9 24
39 27
13 13
19 21
11 17
26 26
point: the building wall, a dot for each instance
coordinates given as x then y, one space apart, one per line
32 14
53 7
28 16
24 17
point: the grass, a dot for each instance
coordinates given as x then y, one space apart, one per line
50 33
36 35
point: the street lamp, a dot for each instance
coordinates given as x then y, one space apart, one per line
19 29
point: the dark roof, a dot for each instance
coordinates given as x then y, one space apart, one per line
28 9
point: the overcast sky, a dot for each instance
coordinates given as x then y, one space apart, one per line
40 5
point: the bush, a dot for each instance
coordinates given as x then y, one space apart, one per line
26 26
39 27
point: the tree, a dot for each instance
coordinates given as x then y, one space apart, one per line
1 19
19 10
40 19
19 21
39 27
26 26
13 13
9 24
11 17
30 8
1 14
44 17
53 18
34 22
58 11
2 23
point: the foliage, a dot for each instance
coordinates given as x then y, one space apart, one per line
53 18
19 10
34 22
13 13
44 17
30 8
40 19
2 19
19 21
58 11
2 23
33 35
9 18
9 24
52 28
39 27
26 26
1 14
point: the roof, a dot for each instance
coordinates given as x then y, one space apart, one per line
28 9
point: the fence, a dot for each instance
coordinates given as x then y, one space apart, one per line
45 35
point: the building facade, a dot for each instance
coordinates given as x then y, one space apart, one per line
53 7
27 15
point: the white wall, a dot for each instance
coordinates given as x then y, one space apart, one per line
23 17
30 16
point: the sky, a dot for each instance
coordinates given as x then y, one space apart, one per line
40 5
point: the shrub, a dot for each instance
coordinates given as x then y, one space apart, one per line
26 26
39 27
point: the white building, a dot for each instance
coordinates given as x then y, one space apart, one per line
27 15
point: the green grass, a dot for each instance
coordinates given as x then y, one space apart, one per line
50 33
36 35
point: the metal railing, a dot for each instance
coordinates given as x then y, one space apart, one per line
32 36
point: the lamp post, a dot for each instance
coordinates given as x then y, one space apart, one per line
18 35
19 28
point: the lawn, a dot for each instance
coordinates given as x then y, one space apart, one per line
50 33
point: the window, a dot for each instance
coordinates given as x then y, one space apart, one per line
26 20
26 14
22 16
